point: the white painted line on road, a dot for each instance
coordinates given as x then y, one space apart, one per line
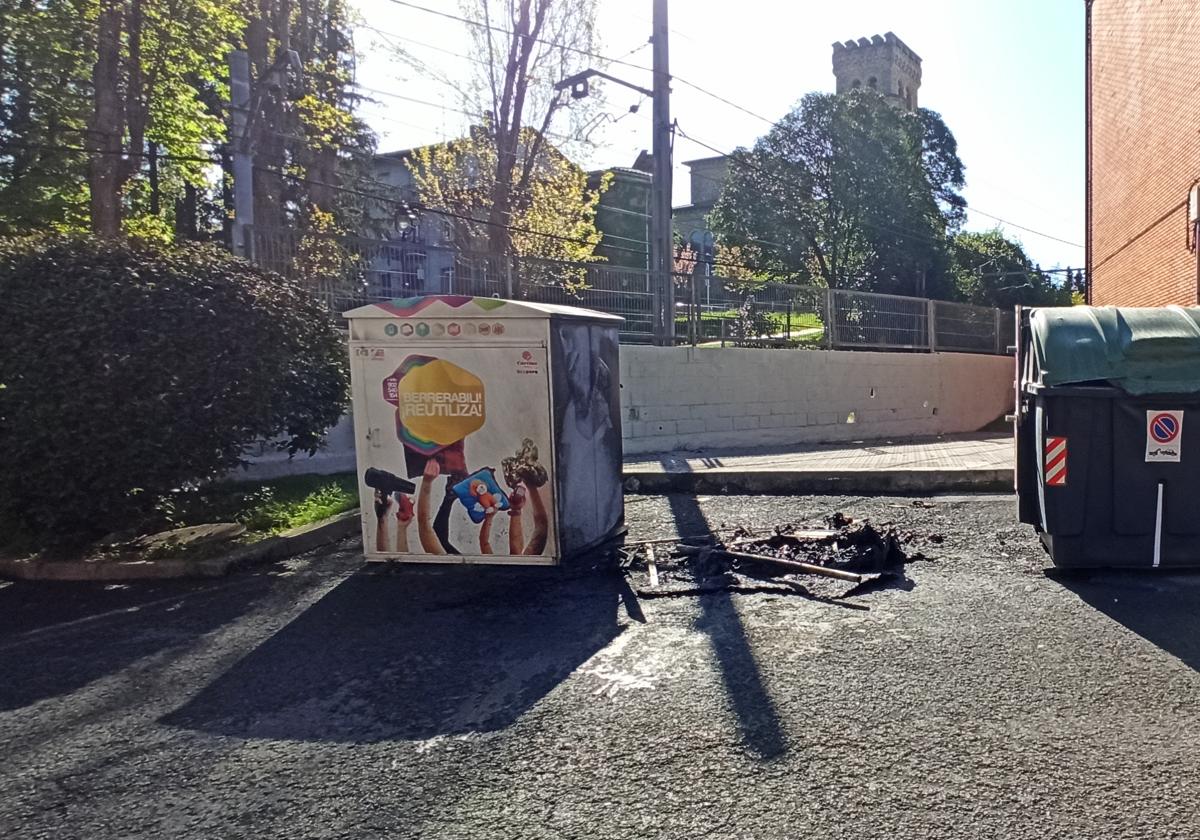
1039 425
1158 527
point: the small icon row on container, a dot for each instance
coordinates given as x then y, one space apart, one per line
453 329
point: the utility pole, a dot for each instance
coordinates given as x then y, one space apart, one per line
243 157
662 244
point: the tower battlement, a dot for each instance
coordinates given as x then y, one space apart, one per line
881 62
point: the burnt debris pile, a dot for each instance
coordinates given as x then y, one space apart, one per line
836 559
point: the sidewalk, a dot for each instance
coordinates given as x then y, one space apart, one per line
980 462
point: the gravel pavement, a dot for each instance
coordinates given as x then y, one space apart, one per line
980 698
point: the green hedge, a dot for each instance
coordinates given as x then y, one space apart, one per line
130 369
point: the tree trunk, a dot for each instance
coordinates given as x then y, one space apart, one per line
155 192
267 124
227 196
508 129
105 131
186 212
136 108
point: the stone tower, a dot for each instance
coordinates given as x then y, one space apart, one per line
882 62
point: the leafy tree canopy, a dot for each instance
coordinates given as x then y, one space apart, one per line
850 192
552 212
114 114
992 270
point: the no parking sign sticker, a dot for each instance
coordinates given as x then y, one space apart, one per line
1164 436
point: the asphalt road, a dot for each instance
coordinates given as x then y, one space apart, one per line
981 699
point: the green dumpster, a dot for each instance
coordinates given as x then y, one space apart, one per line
1105 470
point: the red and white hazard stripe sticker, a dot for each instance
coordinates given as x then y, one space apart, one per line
1056 462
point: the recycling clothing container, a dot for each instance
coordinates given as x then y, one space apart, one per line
487 431
1106 469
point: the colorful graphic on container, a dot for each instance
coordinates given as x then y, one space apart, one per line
481 495
1164 436
437 402
468 474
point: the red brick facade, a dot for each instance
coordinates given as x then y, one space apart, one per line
1143 150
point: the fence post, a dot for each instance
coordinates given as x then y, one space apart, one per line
694 321
508 279
788 332
722 330
996 332
931 322
830 319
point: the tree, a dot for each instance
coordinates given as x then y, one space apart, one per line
102 104
151 57
991 270
525 47
847 191
545 43
554 217
113 115
313 155
45 90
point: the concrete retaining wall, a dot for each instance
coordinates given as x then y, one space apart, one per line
335 456
680 398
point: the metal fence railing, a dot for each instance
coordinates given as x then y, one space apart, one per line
348 271
887 322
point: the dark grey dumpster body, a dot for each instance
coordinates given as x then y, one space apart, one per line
1108 434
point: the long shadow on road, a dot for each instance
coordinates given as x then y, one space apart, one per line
56 638
411 656
1162 608
757 718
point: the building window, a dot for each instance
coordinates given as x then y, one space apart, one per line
857 84
872 83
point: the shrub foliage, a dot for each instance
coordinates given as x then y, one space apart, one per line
129 369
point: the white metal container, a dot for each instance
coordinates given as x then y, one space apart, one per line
486 430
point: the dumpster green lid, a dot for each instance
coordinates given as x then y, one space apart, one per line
465 306
1140 350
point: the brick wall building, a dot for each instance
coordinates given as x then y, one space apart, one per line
1143 150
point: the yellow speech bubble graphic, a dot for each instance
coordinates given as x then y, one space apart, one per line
440 402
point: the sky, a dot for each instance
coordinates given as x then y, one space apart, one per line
1006 76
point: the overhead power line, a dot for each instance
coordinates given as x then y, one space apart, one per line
741 161
482 25
973 209
900 232
620 61
441 105
728 102
383 33
60 147
579 51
